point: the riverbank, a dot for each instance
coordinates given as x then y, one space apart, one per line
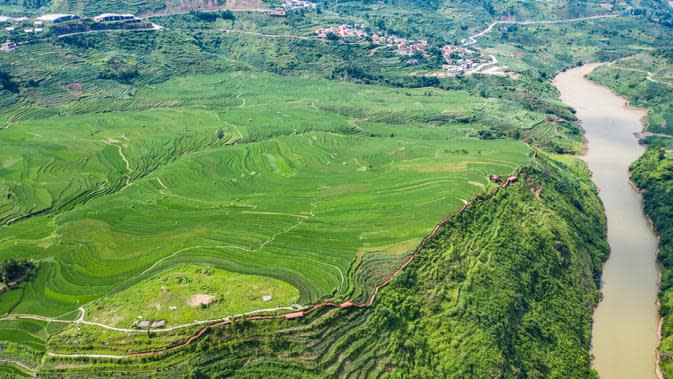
624 336
651 173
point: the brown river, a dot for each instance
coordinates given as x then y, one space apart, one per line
624 335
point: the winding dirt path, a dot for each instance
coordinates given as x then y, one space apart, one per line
471 40
129 170
649 75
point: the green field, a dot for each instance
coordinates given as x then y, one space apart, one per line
184 294
230 165
287 178
518 265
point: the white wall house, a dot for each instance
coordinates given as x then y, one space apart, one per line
55 18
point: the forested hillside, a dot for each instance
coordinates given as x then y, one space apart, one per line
653 174
647 81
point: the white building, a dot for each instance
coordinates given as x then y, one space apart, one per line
8 46
116 17
55 18
5 19
453 69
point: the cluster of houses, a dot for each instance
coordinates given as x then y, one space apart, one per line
460 59
403 46
24 24
345 31
290 5
57 18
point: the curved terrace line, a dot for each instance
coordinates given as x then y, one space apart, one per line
33 371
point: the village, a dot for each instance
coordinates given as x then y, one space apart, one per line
459 59
464 60
20 27
402 46
291 5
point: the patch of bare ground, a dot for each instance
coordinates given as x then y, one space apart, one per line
74 89
200 299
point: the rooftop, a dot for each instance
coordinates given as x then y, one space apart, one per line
104 15
56 16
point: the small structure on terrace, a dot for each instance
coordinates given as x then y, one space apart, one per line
461 59
298 4
148 324
116 17
56 18
403 46
8 46
342 31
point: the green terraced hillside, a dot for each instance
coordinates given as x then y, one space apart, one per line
508 286
249 173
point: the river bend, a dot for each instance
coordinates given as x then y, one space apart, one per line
624 335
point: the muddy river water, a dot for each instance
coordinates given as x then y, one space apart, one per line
624 335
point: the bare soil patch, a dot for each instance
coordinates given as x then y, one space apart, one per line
200 299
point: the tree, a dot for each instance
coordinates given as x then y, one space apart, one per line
7 83
13 270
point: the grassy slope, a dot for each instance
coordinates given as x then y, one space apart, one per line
653 173
629 78
226 293
506 289
102 193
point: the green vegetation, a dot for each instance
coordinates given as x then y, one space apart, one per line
653 174
84 7
647 81
507 287
233 155
295 166
186 293
14 271
110 193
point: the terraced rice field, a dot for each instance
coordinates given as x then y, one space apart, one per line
324 186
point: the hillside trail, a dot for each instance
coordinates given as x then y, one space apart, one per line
649 75
471 40
33 371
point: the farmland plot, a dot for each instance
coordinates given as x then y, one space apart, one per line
325 186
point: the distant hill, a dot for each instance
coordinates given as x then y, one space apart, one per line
93 7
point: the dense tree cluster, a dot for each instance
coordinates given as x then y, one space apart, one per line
13 270
653 174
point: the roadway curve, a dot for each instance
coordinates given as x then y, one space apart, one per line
471 40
